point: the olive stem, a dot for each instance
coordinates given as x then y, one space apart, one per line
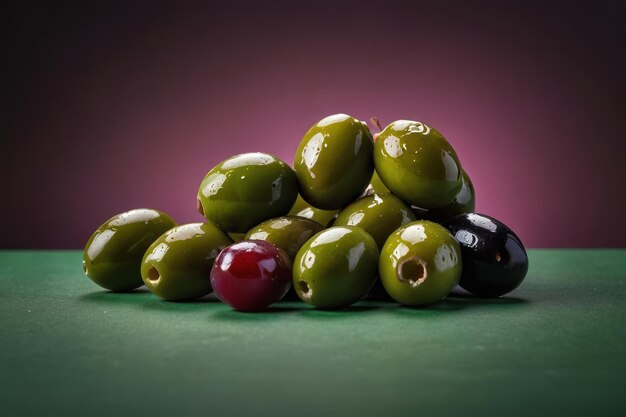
199 207
374 120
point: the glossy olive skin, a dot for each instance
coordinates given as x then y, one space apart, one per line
251 275
464 202
336 267
245 190
177 266
334 162
377 214
375 186
417 164
420 263
494 259
112 256
302 209
288 233
236 237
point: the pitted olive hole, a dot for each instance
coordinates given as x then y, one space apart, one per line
502 257
413 271
85 268
153 274
304 289
199 207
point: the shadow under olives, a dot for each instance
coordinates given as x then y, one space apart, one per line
116 297
445 306
209 298
270 313
457 302
338 313
481 301
173 307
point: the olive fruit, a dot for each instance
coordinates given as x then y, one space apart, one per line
236 237
250 275
177 266
334 162
288 233
420 263
377 214
112 256
417 164
494 259
302 209
336 267
464 202
245 190
376 186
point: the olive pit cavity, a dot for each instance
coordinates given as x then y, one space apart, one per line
153 274
412 271
305 289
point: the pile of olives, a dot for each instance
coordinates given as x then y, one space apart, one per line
389 216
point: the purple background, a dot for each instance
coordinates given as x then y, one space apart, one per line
108 108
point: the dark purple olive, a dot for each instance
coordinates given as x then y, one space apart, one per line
494 259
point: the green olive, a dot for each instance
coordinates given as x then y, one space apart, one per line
112 256
302 209
420 263
288 233
377 214
236 237
300 204
177 266
245 190
336 267
334 162
376 186
464 202
417 164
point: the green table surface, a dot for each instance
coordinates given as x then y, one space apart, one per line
556 346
